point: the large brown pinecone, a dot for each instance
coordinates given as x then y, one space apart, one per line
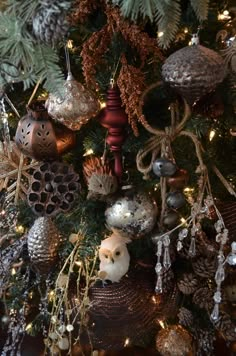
50 24
226 327
188 283
204 267
203 297
185 317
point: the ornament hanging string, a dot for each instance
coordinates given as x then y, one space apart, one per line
154 144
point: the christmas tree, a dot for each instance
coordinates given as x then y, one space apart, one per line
117 180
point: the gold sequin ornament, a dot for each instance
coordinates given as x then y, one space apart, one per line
75 106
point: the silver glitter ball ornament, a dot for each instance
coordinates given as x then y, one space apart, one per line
163 167
133 215
175 200
43 242
194 71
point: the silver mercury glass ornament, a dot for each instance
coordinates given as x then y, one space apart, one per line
134 214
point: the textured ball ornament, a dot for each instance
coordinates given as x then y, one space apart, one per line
133 215
194 71
43 242
179 179
53 188
174 341
76 106
175 200
38 137
163 167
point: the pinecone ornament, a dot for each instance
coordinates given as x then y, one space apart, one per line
205 342
204 267
185 317
188 283
226 327
203 297
43 243
50 24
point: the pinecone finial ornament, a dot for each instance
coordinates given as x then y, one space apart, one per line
50 24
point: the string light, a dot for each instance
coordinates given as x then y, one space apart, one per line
88 152
160 34
70 44
183 220
78 263
212 135
161 322
19 229
28 327
186 30
127 341
102 104
224 16
13 271
188 190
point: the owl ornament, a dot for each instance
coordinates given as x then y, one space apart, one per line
114 258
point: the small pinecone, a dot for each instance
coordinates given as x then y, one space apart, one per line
167 280
204 267
43 243
49 23
203 297
205 342
93 165
185 317
226 327
188 283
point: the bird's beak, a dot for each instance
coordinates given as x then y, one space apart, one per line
112 260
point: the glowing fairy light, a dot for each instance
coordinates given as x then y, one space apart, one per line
127 341
160 34
89 152
212 135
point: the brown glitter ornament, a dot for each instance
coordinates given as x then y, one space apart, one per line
37 137
43 242
54 187
76 106
126 311
194 71
174 341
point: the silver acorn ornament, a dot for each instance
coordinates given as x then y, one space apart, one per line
134 214
163 167
43 243
175 200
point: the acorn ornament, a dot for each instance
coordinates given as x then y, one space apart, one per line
163 167
194 71
38 137
133 214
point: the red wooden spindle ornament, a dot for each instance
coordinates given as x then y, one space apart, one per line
114 118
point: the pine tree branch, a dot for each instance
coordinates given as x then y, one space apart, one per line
200 8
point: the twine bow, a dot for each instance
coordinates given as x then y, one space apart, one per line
162 139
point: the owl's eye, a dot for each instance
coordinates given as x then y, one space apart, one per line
106 256
118 253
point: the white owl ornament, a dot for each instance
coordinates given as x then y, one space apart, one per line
114 258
